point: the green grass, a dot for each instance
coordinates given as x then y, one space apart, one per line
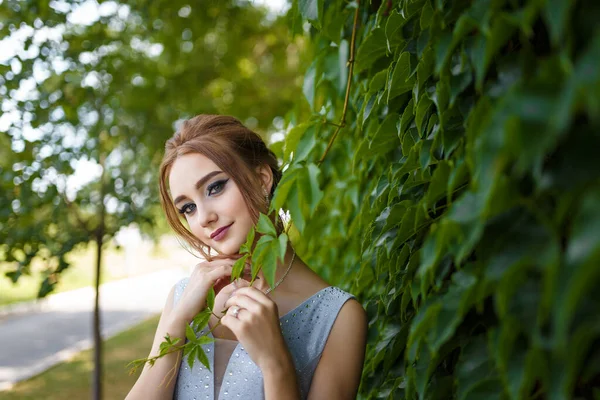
73 379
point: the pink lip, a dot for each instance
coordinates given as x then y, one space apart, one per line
220 233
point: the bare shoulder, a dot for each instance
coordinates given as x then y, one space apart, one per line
338 372
352 312
351 324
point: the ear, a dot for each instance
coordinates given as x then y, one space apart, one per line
266 176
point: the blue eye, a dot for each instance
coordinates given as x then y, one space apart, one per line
187 208
216 187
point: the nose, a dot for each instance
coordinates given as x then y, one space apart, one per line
205 216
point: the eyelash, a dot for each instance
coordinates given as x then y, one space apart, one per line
220 183
186 209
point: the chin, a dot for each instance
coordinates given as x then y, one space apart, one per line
228 249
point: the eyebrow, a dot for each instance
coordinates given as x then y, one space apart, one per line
198 185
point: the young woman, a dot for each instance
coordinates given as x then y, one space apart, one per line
303 340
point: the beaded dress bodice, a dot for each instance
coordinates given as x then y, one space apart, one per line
305 330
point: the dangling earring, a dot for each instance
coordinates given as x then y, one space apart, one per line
266 196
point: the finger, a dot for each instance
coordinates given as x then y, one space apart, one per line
233 257
241 283
232 323
228 289
243 302
210 265
256 295
219 272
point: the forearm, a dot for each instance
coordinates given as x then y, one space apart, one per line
157 382
280 380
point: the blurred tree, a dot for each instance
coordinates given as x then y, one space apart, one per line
91 91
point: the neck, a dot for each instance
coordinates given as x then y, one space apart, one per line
280 272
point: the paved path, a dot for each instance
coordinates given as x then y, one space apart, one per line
33 342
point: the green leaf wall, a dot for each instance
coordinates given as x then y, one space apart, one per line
461 199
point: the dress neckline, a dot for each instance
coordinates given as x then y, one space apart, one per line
286 315
282 318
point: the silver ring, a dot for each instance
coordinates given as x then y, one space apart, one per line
235 311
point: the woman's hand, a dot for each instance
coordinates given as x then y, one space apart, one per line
205 275
257 327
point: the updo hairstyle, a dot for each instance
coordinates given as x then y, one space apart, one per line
237 150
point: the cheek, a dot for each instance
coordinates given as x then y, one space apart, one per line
195 228
236 205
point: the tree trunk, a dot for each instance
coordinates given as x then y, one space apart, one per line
97 394
100 231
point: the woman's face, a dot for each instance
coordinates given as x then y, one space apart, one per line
210 201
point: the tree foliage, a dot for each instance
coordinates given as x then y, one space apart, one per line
102 86
460 200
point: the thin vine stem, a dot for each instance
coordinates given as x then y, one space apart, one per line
172 372
348 85
177 348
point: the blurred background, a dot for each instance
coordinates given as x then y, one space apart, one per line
89 92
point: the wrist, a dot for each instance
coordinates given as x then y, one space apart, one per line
176 326
278 366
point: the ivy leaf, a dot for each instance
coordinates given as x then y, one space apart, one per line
371 49
424 70
238 267
438 185
288 180
167 344
265 226
260 251
365 111
393 30
306 144
474 367
283 241
201 356
407 117
293 137
333 23
422 108
190 334
475 48
581 272
210 298
426 16
200 321
456 302
386 137
309 86
400 81
269 262
310 183
459 82
432 251
191 356
204 340
557 14
247 245
377 83
312 10
294 205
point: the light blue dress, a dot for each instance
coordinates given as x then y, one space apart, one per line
305 330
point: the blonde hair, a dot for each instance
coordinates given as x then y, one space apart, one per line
235 149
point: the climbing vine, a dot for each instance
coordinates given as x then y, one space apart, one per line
460 200
458 196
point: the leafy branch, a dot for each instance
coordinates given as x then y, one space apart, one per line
350 63
265 254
